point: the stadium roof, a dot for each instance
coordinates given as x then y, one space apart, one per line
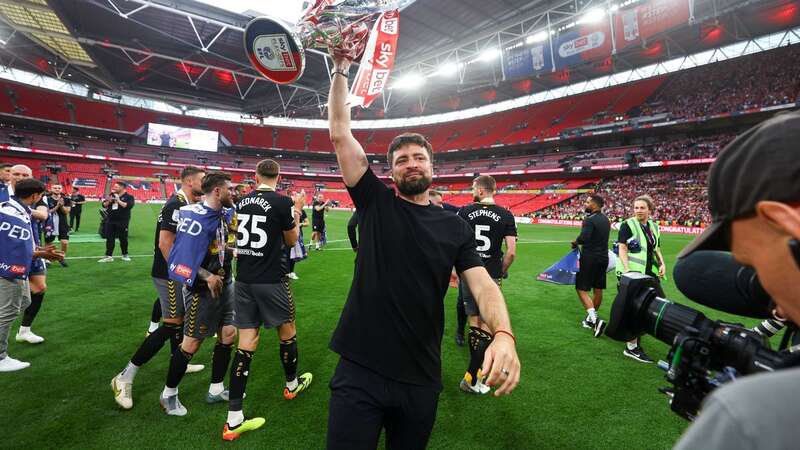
188 52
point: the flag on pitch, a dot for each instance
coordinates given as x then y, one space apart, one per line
564 271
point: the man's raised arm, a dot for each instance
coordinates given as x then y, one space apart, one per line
352 159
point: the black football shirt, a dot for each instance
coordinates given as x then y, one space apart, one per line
167 221
317 217
491 224
263 216
393 320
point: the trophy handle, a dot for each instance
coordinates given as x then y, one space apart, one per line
274 50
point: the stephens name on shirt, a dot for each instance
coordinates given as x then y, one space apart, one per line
485 212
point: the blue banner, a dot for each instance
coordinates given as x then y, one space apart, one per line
528 60
16 240
562 272
197 229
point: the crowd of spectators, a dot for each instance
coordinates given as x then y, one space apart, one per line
757 81
685 148
681 198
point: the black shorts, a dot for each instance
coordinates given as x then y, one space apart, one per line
206 314
270 305
318 227
62 233
470 305
592 273
363 402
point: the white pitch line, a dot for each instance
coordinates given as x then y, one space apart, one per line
103 256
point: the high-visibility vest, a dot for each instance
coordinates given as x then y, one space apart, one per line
637 262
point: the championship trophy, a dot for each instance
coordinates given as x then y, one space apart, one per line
364 30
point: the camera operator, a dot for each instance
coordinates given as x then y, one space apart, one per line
640 251
118 206
754 198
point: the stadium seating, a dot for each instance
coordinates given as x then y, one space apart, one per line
758 80
689 187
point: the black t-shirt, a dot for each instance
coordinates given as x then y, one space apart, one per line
167 221
52 202
492 224
263 216
393 320
626 233
317 217
594 236
77 207
118 214
218 259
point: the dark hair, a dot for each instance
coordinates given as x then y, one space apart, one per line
121 183
189 171
213 180
597 200
75 188
408 139
5 166
486 182
434 193
27 187
268 168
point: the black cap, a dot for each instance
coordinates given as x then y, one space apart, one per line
761 164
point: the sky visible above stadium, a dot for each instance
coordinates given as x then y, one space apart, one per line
287 10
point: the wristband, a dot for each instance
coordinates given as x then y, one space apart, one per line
509 334
342 73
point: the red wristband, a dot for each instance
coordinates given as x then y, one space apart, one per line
506 332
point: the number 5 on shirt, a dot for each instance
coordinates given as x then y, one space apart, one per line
486 243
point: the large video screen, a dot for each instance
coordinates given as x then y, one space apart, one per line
179 137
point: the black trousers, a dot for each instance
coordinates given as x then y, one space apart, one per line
74 219
364 402
116 231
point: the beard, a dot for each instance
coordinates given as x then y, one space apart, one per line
227 202
476 198
415 187
588 210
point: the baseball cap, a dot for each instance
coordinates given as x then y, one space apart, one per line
761 164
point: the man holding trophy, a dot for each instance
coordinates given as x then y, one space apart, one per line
390 332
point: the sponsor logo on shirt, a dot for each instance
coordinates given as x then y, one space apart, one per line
183 270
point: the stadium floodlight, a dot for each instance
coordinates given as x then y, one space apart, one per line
448 69
409 81
535 38
594 15
489 54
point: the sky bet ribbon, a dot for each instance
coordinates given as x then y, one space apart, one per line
197 228
16 240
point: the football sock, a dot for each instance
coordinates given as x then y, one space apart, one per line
169 392
175 335
177 368
151 345
155 314
240 369
462 316
235 418
216 388
288 350
591 314
633 344
32 310
129 373
220 359
479 340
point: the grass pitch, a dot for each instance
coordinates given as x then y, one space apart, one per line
575 391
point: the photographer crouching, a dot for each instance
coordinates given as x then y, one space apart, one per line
754 198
